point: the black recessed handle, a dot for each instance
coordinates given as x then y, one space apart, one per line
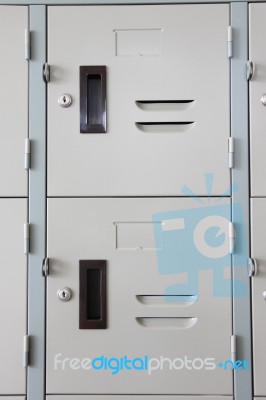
92 99
92 294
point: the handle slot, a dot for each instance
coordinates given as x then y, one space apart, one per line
92 295
93 99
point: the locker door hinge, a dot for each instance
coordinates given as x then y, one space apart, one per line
27 44
231 152
232 237
46 72
252 267
250 70
27 153
230 42
26 238
45 267
233 348
26 351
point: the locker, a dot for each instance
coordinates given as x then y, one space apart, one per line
13 296
12 398
103 253
257 106
137 397
13 100
258 214
138 100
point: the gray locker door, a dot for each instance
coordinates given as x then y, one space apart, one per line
13 100
13 296
12 398
258 233
141 320
257 89
167 103
136 398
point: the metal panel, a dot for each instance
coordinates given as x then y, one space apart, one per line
13 295
117 2
13 398
37 205
257 87
139 323
258 232
149 148
13 101
240 199
71 397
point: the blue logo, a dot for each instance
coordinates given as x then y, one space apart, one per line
197 239
232 365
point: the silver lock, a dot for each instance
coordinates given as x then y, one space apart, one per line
264 295
263 99
65 100
64 294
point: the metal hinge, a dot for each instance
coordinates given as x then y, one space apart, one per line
233 348
232 237
27 44
230 42
46 72
231 152
252 267
26 351
250 70
27 153
26 238
45 267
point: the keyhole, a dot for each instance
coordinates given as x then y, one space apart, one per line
64 294
64 99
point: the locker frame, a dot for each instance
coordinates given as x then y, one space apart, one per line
240 131
37 178
37 206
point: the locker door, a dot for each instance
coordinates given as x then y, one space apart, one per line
13 296
258 231
135 296
257 107
135 398
13 100
158 85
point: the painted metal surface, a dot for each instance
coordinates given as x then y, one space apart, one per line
140 271
257 87
37 205
13 295
36 388
258 208
13 101
240 199
159 135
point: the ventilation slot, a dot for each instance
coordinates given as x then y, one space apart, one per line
167 300
167 323
164 127
164 105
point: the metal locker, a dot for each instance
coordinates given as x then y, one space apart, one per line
13 100
138 99
258 231
137 398
13 296
12 398
103 257
257 86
